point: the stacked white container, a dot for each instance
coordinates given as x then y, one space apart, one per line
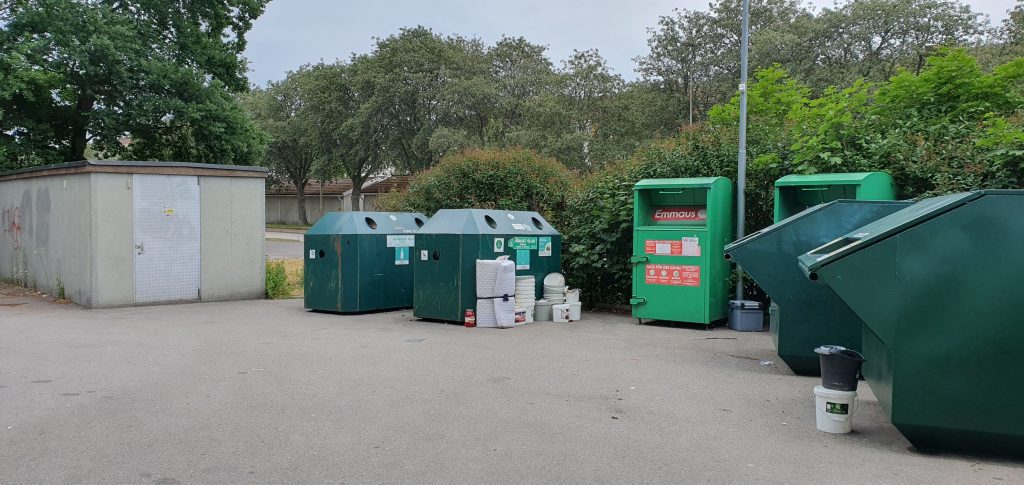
526 295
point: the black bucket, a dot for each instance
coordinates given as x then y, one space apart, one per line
840 367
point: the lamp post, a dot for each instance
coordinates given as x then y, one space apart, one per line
741 172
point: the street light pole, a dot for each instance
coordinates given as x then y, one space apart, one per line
741 172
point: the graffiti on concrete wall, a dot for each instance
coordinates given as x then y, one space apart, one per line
12 226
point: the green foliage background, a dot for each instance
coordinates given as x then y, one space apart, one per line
953 127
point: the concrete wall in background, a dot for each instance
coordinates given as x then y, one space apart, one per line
232 242
284 209
45 243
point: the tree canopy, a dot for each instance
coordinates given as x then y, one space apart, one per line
98 74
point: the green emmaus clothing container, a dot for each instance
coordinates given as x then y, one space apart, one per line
806 315
794 193
679 229
360 261
448 246
937 287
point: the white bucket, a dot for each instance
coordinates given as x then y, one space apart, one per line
543 311
572 296
560 313
575 311
834 409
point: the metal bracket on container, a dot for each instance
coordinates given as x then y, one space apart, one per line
637 300
639 259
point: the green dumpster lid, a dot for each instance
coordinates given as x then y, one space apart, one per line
793 218
828 178
887 226
488 221
364 222
680 182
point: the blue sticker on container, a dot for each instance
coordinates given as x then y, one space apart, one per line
522 259
401 256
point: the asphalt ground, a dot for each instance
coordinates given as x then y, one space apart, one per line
265 392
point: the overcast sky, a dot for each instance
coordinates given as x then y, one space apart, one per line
296 32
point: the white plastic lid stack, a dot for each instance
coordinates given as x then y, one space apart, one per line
525 291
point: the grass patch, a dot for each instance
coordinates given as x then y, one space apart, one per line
293 268
288 226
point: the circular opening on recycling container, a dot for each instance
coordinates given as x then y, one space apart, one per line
372 223
419 222
813 276
436 255
537 223
321 254
728 256
491 222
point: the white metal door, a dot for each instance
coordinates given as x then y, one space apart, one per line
166 209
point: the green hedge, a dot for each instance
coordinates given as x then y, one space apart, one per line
514 179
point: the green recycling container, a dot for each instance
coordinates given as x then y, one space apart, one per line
936 285
794 193
805 315
448 246
360 261
679 229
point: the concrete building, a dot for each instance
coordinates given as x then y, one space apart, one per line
283 202
106 233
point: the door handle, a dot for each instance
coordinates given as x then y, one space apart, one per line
139 248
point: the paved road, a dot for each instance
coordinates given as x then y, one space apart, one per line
284 245
264 392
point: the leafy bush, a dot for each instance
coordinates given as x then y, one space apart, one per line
277 281
951 128
514 179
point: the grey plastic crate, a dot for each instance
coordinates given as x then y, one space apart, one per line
746 316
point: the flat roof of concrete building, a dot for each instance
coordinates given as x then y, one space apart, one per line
152 167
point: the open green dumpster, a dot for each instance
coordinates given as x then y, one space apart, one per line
448 246
794 193
360 261
936 287
805 315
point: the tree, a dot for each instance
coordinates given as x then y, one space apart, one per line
281 111
521 73
341 133
85 73
413 84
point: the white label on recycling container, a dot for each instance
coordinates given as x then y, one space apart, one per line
423 255
312 254
401 241
691 246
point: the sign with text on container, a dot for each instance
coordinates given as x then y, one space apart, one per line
672 274
677 214
401 240
522 243
544 246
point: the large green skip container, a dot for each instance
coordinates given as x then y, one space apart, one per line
794 193
360 261
806 315
448 246
938 285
